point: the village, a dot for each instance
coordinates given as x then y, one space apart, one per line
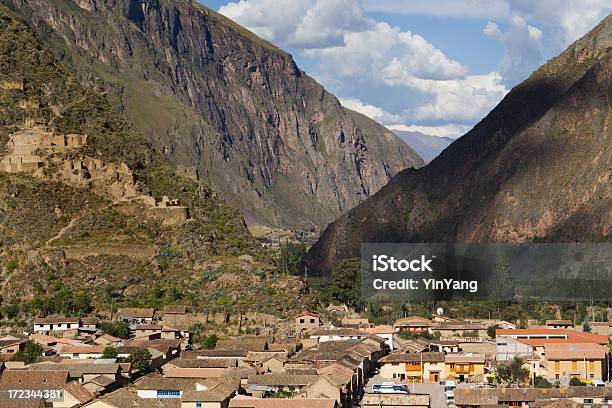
142 357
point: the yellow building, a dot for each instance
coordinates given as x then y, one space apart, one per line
574 360
464 367
413 367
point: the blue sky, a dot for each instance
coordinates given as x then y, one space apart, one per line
436 66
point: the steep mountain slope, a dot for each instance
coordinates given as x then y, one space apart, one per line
89 215
426 146
224 105
536 167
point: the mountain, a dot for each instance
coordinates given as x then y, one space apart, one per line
223 105
537 167
89 210
426 146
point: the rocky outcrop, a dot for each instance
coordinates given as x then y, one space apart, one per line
538 167
210 95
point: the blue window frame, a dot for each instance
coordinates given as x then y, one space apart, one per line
168 394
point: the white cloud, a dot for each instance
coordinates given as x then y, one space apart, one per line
449 130
479 9
387 54
304 23
466 99
371 111
522 48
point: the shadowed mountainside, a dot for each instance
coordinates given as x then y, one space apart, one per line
537 167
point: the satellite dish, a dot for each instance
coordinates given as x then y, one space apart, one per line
440 311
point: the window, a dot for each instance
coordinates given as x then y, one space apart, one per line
312 321
588 400
557 376
592 375
301 320
168 394
198 405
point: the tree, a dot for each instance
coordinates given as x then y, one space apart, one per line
209 342
541 382
109 352
140 359
115 328
512 371
575 382
290 258
346 282
586 326
491 330
30 354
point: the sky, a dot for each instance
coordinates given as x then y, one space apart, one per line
434 66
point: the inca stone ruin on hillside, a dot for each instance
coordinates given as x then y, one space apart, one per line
35 149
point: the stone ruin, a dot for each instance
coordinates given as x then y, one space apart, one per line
30 147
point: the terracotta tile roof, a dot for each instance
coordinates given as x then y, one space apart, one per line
77 370
77 391
338 331
574 351
219 393
259 356
413 321
465 358
384 329
28 379
311 314
128 397
249 402
282 379
162 345
204 362
431 357
56 319
214 353
81 349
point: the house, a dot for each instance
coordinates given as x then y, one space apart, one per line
603 328
339 333
413 367
384 331
84 372
339 309
268 384
89 323
80 351
174 310
355 323
73 393
459 329
46 325
162 392
198 368
138 315
12 344
413 324
148 330
462 367
559 324
243 401
307 321
575 360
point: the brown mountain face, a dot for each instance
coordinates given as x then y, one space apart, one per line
537 167
224 105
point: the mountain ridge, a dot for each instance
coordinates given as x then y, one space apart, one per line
224 105
537 167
